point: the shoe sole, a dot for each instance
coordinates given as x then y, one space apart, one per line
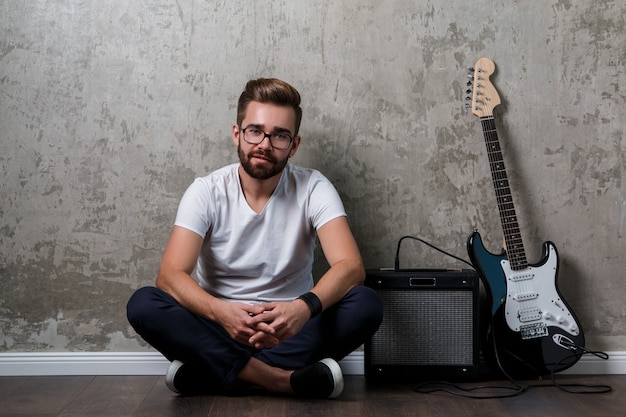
335 371
171 374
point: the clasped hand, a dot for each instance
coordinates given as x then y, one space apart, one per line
262 325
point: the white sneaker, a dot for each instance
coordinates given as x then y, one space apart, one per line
170 375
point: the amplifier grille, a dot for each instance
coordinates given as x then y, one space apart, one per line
432 327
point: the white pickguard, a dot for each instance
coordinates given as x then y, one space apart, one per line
533 303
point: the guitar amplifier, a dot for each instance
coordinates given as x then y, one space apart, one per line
429 328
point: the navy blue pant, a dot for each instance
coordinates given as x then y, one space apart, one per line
179 334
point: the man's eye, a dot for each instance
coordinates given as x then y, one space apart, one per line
281 136
254 131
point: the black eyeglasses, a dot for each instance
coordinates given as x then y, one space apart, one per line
279 140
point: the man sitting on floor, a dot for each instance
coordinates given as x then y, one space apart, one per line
254 316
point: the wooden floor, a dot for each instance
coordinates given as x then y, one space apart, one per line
119 396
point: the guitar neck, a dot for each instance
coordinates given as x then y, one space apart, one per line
508 218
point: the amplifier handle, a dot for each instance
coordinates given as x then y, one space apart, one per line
422 282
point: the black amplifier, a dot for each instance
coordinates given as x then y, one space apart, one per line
430 325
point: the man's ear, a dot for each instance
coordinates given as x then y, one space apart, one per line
294 148
236 134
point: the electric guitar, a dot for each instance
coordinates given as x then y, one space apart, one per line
533 331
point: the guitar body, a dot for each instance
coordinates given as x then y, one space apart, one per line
533 331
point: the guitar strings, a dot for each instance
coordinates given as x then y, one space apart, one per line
506 207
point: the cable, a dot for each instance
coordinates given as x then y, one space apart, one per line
441 386
594 389
397 260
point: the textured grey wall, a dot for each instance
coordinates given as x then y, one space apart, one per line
108 110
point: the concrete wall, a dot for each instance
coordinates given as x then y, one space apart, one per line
109 109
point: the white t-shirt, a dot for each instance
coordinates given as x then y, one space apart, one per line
262 257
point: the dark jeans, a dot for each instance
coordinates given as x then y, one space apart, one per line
179 334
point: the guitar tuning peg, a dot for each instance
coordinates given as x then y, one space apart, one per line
469 83
469 90
468 98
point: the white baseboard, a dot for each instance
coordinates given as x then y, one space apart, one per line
110 363
153 363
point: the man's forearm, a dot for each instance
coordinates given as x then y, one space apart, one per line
338 281
187 293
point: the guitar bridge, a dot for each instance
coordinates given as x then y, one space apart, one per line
533 331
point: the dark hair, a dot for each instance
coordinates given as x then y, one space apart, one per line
269 90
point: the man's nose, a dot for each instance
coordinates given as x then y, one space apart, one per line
266 143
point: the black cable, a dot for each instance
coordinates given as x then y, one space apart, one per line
397 260
441 386
593 388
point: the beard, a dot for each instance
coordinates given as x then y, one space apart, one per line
261 172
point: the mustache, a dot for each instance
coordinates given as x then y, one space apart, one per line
263 154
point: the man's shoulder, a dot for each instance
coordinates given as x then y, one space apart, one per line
303 173
225 173
308 180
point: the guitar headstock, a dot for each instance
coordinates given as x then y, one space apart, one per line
484 95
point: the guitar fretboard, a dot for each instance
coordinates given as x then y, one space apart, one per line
508 218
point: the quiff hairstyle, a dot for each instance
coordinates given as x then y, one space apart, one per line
269 90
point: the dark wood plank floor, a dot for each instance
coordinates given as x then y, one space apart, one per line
119 396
